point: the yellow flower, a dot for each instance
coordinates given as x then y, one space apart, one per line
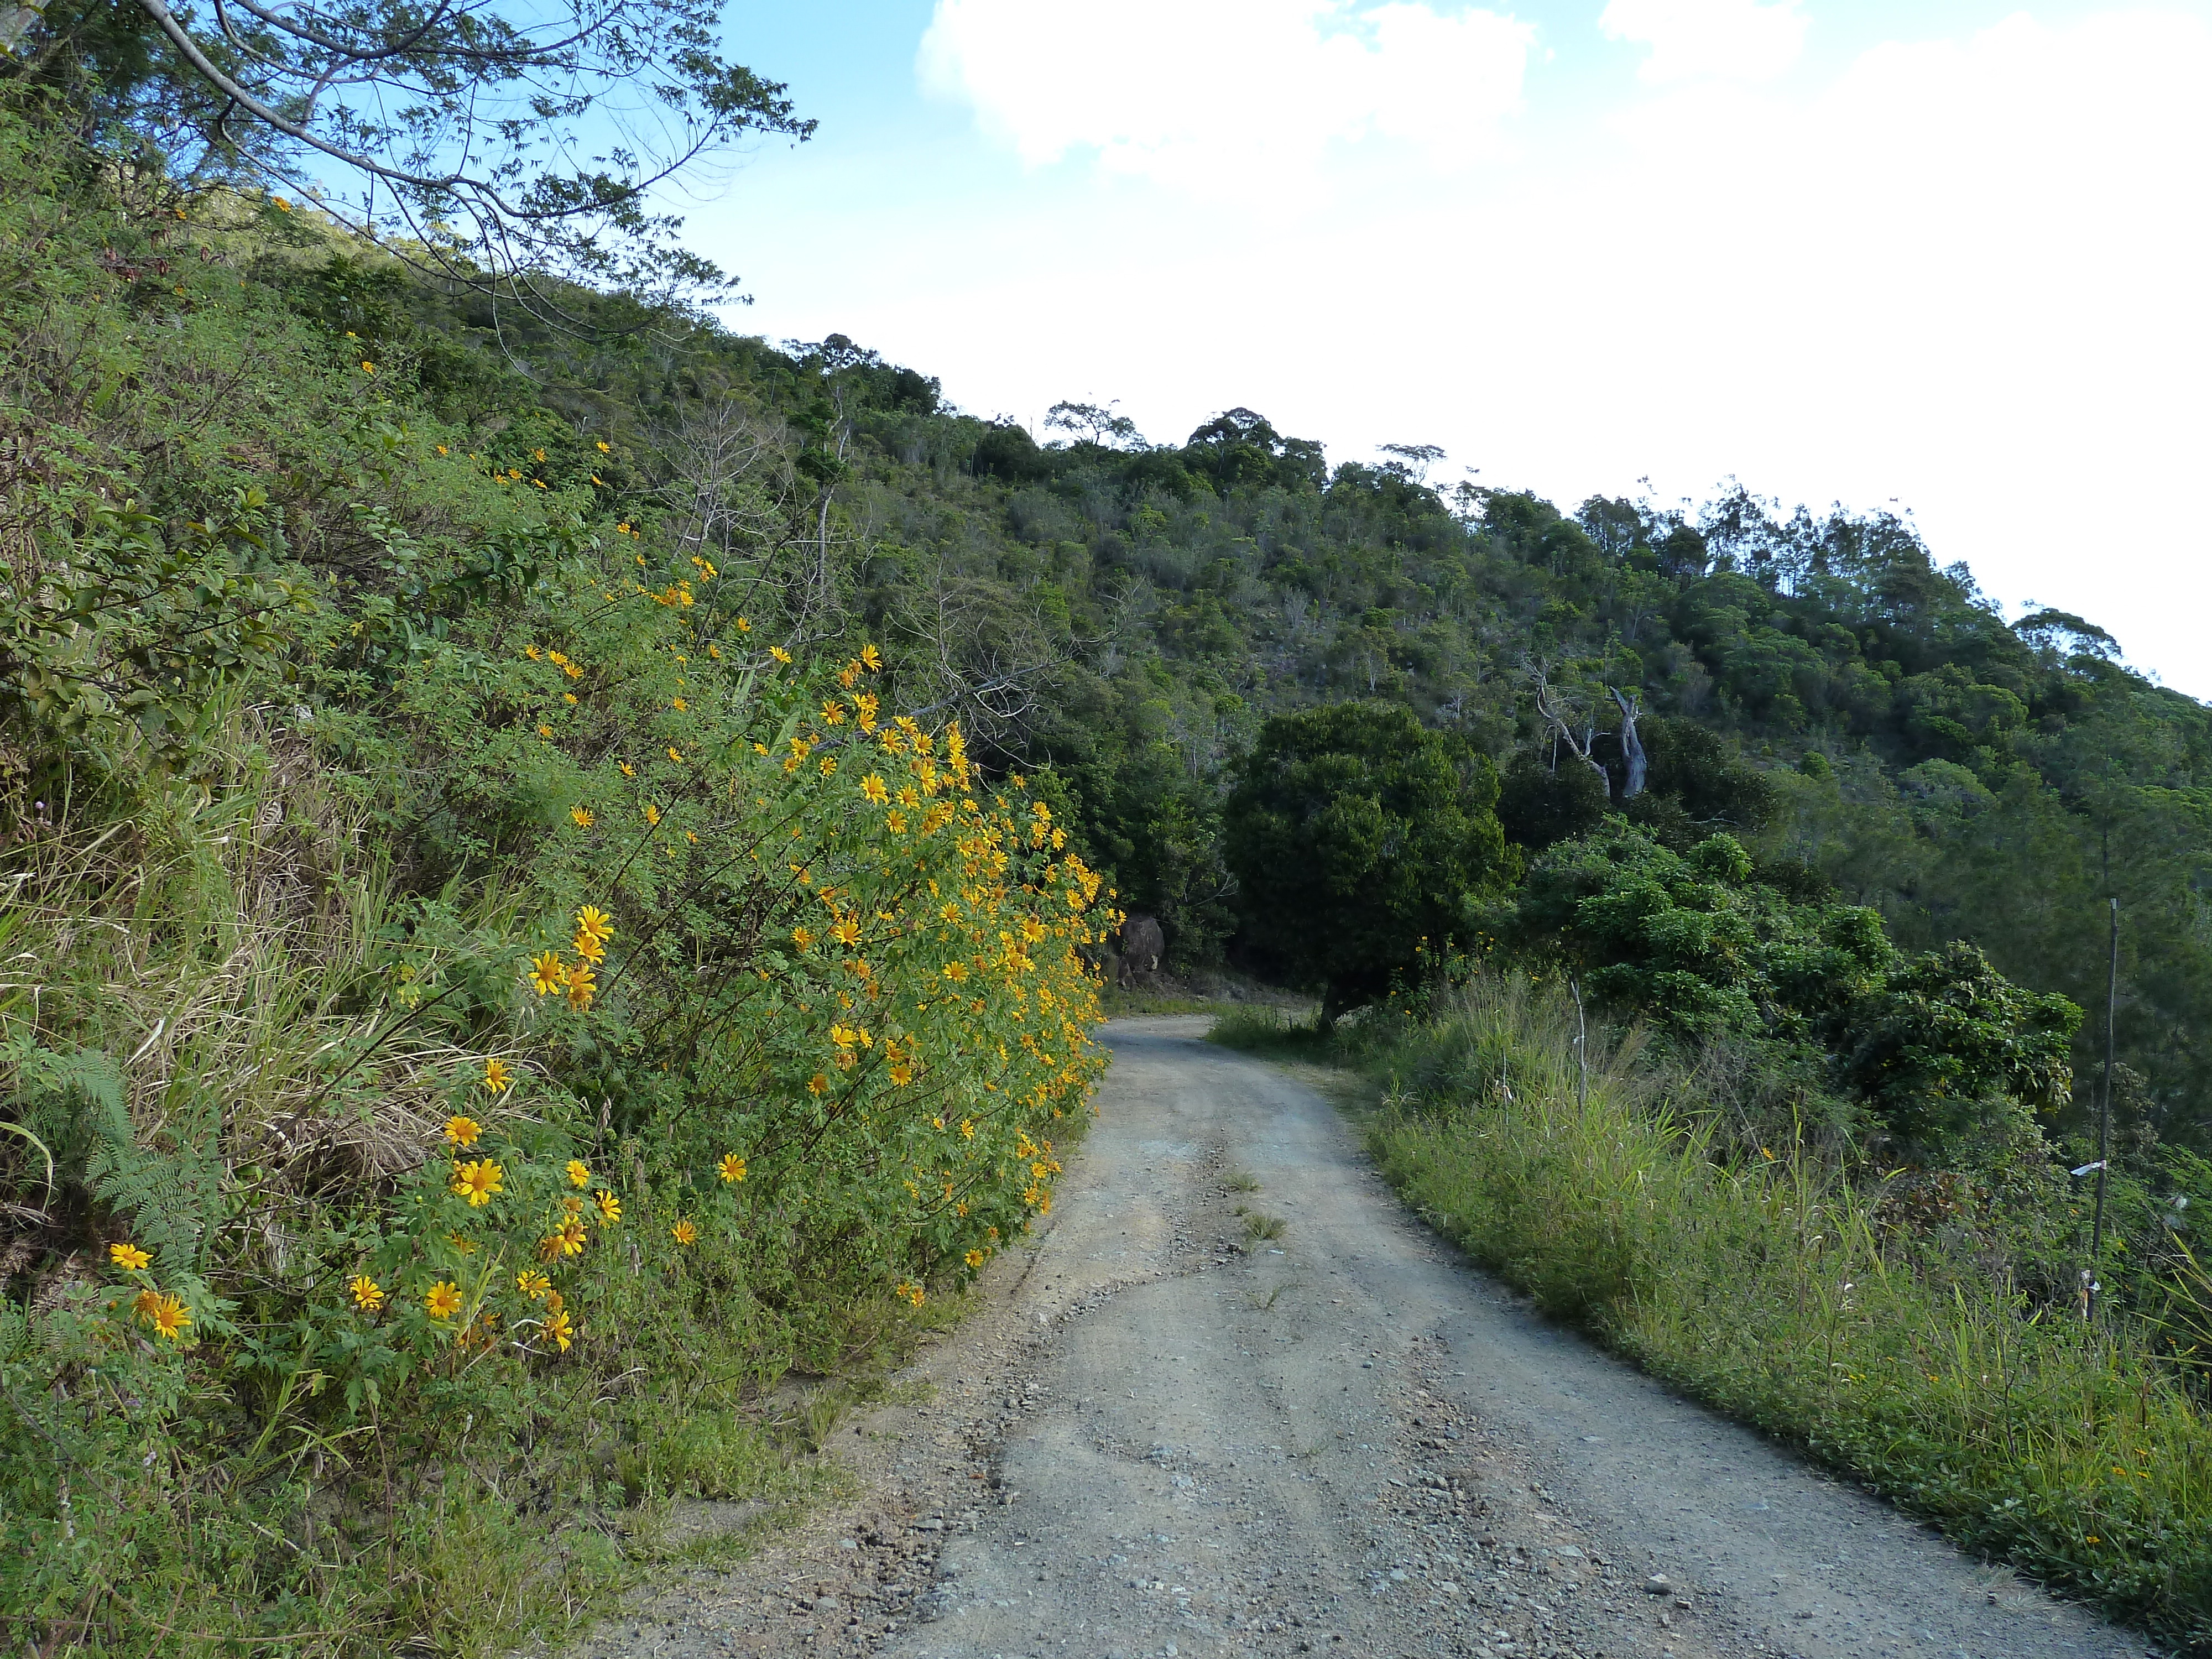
872 787
558 1328
477 1181
628 770
803 937
679 705
653 815
580 1173
129 1257
833 714
582 816
368 1294
462 1131
684 1232
443 1300
572 670
829 766
955 971
913 1293
817 1084
533 1283
779 653
167 1315
974 1258
531 651
967 1129
609 1207
545 731
901 1074
547 974
280 205
583 987
568 1240
603 448
676 757
590 948
870 657
496 1077
731 1169
367 367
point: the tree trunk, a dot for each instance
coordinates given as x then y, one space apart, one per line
1631 746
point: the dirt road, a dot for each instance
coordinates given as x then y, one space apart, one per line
1168 1438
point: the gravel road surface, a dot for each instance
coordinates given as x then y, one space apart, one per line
1165 1436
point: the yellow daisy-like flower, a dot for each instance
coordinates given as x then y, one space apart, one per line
603 448
574 670
545 731
913 1293
595 921
477 1181
533 1283
901 1074
731 1169
829 766
803 937
590 949
870 657
547 974
579 1174
628 770
568 1240
847 932
683 1232
967 1129
779 653
367 367
817 1084
462 1131
676 756
496 1077
554 1304
583 987
653 815
568 697
168 1317
561 1330
872 787
368 1294
609 1207
532 652
832 715
443 1299
974 1258
678 704
129 1257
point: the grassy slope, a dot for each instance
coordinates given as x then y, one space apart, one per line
257 955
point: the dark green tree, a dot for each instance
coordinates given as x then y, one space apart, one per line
1354 834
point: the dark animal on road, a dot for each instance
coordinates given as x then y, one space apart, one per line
1143 945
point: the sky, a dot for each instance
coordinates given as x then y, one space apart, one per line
1944 258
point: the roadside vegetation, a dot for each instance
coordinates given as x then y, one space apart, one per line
1909 1328
505 1019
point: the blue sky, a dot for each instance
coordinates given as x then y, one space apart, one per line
1949 256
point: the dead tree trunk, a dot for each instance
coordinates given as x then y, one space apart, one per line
1631 746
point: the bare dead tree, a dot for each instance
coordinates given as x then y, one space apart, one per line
1631 746
1557 714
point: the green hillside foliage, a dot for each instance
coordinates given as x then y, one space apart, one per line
504 971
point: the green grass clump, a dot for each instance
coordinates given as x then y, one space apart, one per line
1770 1284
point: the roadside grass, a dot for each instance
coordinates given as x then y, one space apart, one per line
1774 1288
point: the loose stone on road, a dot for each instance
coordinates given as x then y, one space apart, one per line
1168 1437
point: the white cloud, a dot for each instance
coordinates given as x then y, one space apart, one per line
1230 97
1709 40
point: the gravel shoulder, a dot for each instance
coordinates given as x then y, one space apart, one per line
1163 1436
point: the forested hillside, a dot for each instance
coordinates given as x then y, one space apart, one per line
1855 711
